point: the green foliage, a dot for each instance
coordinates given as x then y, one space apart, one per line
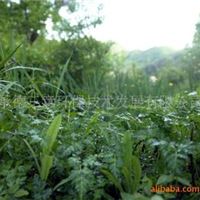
25 18
25 21
14 178
131 165
130 170
46 155
88 58
5 58
117 140
98 139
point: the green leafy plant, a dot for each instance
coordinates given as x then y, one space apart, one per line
47 150
130 171
46 157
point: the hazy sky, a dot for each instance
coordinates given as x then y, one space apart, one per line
142 24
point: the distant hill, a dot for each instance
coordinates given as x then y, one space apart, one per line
154 58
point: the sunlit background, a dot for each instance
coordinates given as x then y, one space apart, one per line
142 24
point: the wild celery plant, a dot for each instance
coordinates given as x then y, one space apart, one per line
46 156
130 172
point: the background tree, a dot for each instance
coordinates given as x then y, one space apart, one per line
26 18
192 61
24 21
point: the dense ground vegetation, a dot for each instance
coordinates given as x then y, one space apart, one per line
82 119
103 150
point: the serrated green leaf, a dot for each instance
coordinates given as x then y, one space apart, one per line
137 172
127 150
